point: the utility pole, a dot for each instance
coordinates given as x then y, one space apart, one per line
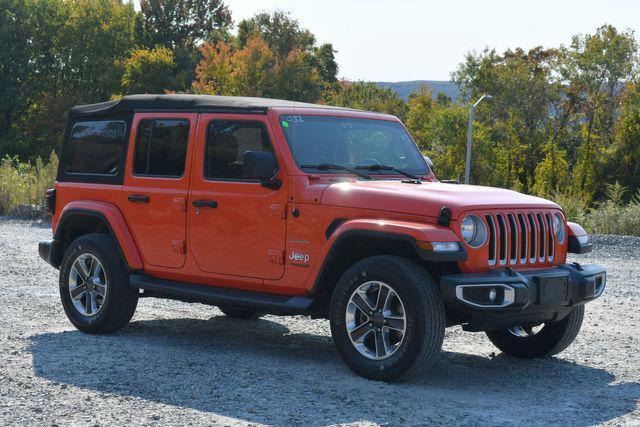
472 108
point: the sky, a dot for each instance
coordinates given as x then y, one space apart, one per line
385 40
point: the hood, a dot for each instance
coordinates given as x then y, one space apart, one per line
427 198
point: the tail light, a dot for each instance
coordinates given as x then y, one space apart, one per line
50 201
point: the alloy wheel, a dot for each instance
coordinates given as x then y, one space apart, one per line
88 284
375 320
524 332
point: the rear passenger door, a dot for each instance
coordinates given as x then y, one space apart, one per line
156 185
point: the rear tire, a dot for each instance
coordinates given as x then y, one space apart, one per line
552 339
94 285
239 312
390 337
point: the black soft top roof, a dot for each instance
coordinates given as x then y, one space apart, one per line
131 103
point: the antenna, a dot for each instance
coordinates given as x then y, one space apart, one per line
294 211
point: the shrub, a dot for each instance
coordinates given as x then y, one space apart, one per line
613 216
574 204
22 185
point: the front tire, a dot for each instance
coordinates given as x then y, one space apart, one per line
553 338
387 318
94 285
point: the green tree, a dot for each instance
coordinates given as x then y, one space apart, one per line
279 31
55 54
420 111
623 156
596 66
284 35
150 71
180 23
519 112
366 96
182 26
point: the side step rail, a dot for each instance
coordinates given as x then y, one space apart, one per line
277 304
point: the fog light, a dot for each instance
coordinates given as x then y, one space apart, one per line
601 281
492 295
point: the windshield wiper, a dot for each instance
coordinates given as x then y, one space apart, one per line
374 168
333 166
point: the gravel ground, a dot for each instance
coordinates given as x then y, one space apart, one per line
179 364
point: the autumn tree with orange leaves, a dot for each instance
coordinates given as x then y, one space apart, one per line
272 57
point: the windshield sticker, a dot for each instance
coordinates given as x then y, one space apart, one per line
294 118
285 124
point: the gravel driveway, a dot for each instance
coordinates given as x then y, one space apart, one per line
179 364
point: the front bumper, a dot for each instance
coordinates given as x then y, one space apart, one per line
50 251
505 298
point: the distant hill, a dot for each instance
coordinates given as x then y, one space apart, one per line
404 89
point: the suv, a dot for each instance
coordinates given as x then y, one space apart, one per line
267 206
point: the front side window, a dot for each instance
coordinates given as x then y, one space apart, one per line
351 142
227 142
95 147
161 147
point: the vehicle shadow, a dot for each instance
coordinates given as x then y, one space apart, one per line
259 371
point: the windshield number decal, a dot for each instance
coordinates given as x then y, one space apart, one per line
294 119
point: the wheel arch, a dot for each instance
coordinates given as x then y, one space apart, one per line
84 217
355 240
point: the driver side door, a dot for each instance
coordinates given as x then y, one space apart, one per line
236 226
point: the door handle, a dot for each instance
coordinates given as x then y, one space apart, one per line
205 203
139 198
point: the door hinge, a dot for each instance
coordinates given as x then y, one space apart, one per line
276 256
278 210
179 204
179 246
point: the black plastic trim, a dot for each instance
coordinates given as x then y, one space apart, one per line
444 219
333 227
59 252
425 255
204 111
49 250
529 306
280 304
575 247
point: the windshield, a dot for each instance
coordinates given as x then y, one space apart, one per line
352 143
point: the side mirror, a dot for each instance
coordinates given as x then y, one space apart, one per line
260 165
429 161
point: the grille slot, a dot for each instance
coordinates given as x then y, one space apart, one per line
520 238
513 239
552 237
524 238
502 239
533 232
542 247
492 240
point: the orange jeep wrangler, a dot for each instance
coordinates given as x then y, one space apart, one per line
267 206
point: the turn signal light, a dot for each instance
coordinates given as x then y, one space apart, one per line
439 246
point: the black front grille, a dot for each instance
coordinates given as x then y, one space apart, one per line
517 238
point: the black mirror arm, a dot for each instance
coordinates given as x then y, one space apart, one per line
273 184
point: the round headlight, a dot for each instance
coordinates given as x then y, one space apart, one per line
473 231
559 228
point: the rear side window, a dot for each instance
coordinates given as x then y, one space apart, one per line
227 141
161 147
95 147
